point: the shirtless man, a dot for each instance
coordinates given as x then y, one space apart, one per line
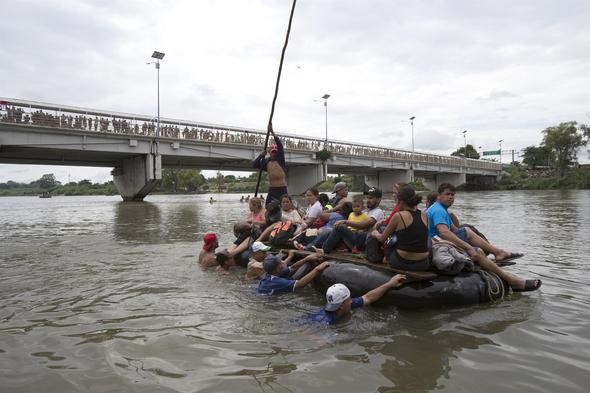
207 256
275 166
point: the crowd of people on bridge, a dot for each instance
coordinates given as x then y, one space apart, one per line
64 119
26 115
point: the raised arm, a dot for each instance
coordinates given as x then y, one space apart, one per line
280 152
260 161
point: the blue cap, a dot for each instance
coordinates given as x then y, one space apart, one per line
271 261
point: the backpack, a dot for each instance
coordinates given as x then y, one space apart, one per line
281 233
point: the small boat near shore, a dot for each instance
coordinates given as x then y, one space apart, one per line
45 195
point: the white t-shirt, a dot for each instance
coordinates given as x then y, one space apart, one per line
292 216
376 214
314 210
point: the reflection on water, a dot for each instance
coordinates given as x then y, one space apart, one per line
138 221
145 222
418 357
99 295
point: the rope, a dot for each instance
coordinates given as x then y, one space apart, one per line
494 285
274 100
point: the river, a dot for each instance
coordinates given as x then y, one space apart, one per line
103 296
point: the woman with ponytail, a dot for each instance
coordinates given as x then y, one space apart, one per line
411 227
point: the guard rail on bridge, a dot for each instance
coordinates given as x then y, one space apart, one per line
37 114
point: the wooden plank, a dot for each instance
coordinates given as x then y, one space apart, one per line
359 260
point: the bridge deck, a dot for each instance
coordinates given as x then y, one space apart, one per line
29 114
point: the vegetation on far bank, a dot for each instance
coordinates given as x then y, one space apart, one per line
551 165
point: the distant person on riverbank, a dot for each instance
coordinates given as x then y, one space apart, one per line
276 279
242 199
441 225
339 302
207 256
275 166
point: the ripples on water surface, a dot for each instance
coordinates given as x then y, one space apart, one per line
101 296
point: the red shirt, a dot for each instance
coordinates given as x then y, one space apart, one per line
395 210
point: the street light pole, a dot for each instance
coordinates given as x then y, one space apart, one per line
465 142
325 97
500 151
158 56
412 161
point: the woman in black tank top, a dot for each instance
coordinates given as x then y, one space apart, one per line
411 227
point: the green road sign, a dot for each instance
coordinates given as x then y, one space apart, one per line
491 153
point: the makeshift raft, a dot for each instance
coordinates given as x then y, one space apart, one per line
422 290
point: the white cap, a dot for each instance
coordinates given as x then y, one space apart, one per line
335 296
259 246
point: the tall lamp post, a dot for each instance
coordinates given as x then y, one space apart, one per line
412 162
500 151
465 142
325 98
158 56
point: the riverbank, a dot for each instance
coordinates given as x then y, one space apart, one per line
516 178
520 178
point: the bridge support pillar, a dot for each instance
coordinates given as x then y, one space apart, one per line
455 179
302 177
135 177
386 179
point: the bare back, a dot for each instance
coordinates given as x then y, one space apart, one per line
207 259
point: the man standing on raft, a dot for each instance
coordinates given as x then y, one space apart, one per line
275 166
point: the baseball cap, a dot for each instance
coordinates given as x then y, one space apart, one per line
339 186
335 296
208 241
271 261
373 191
259 246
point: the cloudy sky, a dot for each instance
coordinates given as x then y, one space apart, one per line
498 69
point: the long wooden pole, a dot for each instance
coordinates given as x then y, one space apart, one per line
274 100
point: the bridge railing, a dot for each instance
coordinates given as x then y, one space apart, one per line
29 113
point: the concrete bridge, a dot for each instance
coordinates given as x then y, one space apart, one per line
50 134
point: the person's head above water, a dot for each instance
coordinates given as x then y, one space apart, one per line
336 297
273 264
210 242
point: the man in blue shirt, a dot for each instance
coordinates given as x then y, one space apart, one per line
276 280
339 303
441 225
